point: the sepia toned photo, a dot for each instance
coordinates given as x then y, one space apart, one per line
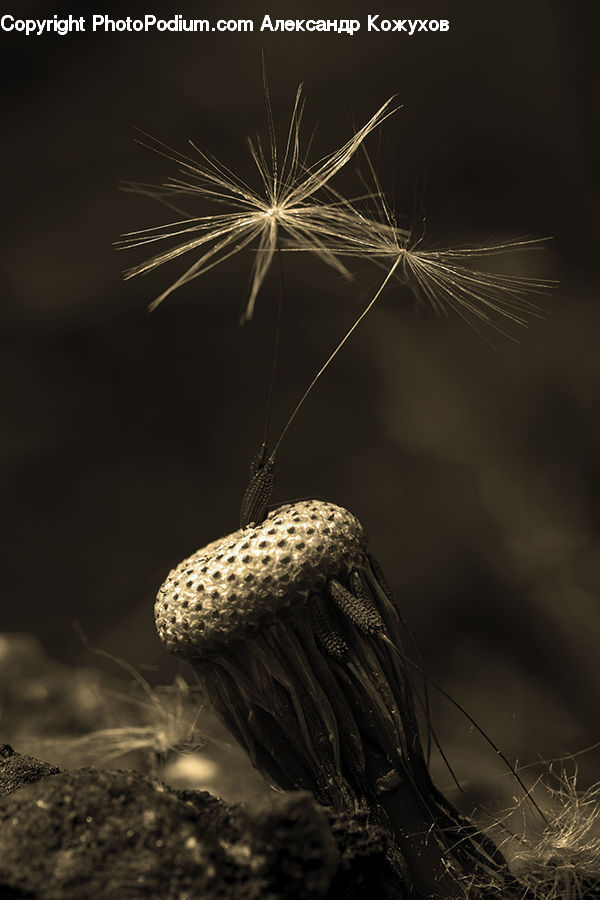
300 443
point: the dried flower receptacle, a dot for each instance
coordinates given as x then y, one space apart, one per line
294 632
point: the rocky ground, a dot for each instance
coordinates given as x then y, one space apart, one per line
113 788
119 834
148 831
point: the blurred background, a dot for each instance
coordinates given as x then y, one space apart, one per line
126 438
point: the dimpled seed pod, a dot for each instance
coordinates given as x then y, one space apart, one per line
297 637
229 589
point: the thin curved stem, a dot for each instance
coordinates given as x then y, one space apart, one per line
335 352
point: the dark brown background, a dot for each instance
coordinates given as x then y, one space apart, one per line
126 438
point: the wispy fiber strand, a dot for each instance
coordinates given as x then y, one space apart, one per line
295 199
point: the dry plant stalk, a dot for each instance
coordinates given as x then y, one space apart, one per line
289 620
295 634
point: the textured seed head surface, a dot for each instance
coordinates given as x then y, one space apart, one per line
227 590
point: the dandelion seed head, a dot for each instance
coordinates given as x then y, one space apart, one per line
303 661
239 584
296 199
445 279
